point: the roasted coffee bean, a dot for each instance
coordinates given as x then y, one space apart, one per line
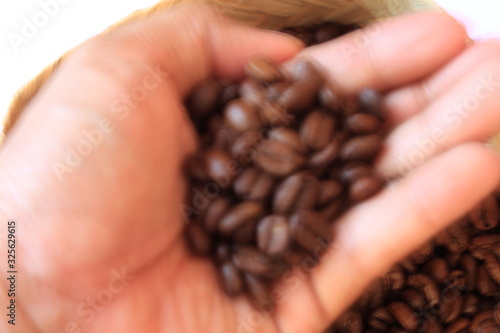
222 252
308 228
273 235
481 246
325 156
456 280
220 167
220 134
242 116
329 190
275 90
244 234
354 171
327 32
485 215
437 269
232 282
364 188
361 148
296 192
274 114
362 123
317 129
459 326
471 304
204 98
195 168
252 92
484 283
198 239
404 315
263 69
259 293
229 92
244 148
250 260
289 137
496 313
454 238
414 298
330 100
469 266
422 254
305 71
370 102
450 306
299 96
453 259
212 215
278 159
333 210
484 322
408 265
243 213
426 286
393 280
492 265
350 322
254 184
431 325
381 319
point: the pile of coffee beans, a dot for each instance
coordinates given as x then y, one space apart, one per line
451 284
281 157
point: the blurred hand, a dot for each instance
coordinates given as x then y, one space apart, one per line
92 172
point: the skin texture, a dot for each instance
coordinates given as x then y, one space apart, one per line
117 210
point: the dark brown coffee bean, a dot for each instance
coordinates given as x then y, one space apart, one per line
204 98
431 325
330 100
296 192
362 123
456 280
354 171
393 280
232 281
243 213
275 114
295 255
492 265
496 313
370 102
361 148
241 116
289 137
459 326
364 188
220 167
212 215
250 260
317 130
195 168
481 246
375 294
404 315
299 96
252 92
484 323
305 71
278 159
471 304
198 239
254 184
451 306
229 92
484 283
329 190
327 32
454 238
244 148
408 265
263 69
275 90
273 235
333 210
485 215
414 298
325 156
453 259
381 319
245 234
350 322
437 269
426 286
469 266
222 252
308 228
258 291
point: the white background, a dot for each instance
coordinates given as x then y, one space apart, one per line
76 20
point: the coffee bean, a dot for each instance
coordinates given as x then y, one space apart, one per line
468 264
354 171
454 238
212 215
492 265
263 69
198 239
361 148
195 169
252 92
317 130
485 215
327 32
229 92
278 159
484 322
299 96
273 235
232 281
365 188
222 252
431 325
362 123
471 304
275 90
456 280
426 286
305 71
243 213
258 291
244 148
496 313
325 156
484 283
296 192
481 246
274 114
244 234
219 166
333 210
350 322
329 190
437 269
381 319
250 260
414 298
370 102
241 116
459 326
308 228
254 184
289 137
451 306
330 100
404 315
393 280
204 98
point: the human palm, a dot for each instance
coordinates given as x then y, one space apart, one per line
100 242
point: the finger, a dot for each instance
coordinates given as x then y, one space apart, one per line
378 233
390 54
403 103
468 111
